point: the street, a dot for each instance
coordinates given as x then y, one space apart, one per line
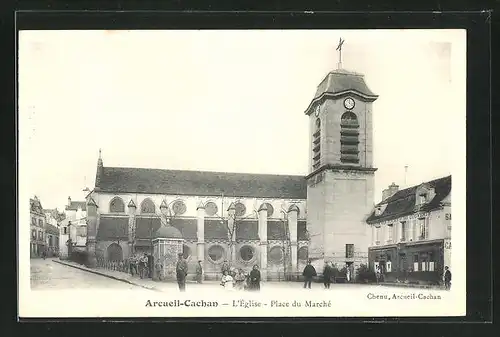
49 275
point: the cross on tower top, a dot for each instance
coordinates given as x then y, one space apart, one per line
339 48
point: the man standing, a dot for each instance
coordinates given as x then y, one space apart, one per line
447 278
199 272
308 273
181 270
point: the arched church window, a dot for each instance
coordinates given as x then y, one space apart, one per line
275 255
211 208
316 146
270 209
303 254
349 138
179 207
117 205
148 207
240 209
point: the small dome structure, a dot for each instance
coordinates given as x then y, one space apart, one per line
168 232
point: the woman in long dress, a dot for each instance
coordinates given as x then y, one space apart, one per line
255 279
240 279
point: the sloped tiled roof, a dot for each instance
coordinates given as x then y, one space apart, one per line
342 80
112 228
36 206
180 182
403 202
51 229
75 205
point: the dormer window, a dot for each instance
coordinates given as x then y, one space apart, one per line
378 211
422 198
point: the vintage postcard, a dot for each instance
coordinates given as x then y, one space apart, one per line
252 173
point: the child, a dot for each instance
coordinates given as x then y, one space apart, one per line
227 281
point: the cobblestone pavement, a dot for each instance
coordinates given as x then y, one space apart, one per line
49 275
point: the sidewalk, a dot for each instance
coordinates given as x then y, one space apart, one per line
117 275
409 285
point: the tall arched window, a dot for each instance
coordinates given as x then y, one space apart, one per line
316 146
148 207
349 138
116 205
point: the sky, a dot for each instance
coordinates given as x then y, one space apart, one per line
228 101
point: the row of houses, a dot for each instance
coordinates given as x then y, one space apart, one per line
52 230
44 229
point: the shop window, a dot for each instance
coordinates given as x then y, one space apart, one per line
415 262
246 253
388 266
349 251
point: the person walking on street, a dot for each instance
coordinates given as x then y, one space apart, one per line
447 278
327 275
181 270
199 272
308 273
254 279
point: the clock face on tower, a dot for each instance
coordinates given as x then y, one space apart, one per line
349 103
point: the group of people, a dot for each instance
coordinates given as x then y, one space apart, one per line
140 265
239 280
328 274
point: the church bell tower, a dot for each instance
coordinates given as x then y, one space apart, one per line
340 182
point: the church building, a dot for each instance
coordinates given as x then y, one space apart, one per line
277 222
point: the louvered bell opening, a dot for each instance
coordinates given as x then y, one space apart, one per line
349 132
349 140
349 158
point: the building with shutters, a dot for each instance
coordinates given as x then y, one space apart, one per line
278 221
411 232
73 228
37 228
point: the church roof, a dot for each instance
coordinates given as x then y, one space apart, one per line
403 202
340 82
202 183
75 205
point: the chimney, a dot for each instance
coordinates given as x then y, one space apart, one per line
69 201
390 191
